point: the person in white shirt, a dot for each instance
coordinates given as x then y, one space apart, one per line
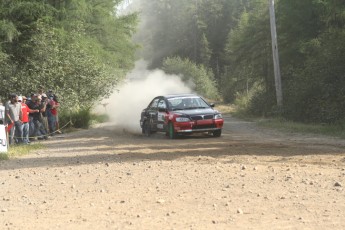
13 118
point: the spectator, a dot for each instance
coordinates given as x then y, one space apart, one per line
40 91
57 125
29 102
2 114
44 112
14 118
25 114
52 113
39 130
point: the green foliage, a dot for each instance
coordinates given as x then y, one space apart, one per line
83 48
3 156
322 82
80 118
199 78
310 38
168 28
99 118
233 39
80 49
8 31
77 118
205 52
196 30
256 101
249 59
314 88
262 102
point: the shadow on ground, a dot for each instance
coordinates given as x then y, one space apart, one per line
99 145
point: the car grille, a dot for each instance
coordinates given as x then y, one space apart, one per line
204 127
201 117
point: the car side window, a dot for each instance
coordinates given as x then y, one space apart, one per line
154 103
162 104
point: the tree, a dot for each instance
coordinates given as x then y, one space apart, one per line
196 30
249 59
316 87
82 49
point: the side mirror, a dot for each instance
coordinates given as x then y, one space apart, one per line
162 109
212 105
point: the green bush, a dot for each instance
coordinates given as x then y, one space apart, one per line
77 118
257 102
81 118
263 103
3 156
98 118
197 77
241 103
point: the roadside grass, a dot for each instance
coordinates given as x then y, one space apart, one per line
3 156
98 118
225 108
284 125
80 119
20 150
289 126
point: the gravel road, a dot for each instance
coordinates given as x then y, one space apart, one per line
108 178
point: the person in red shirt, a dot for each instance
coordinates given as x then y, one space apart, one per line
52 114
25 119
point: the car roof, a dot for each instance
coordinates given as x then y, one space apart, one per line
180 95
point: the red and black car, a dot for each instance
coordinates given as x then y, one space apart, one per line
181 114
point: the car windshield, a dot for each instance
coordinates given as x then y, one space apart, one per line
182 103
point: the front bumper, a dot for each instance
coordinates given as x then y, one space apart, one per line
198 126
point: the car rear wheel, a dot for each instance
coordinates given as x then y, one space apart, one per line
172 133
217 133
147 128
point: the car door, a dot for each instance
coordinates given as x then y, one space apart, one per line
161 114
151 114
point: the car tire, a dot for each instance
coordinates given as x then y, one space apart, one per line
146 129
217 133
171 131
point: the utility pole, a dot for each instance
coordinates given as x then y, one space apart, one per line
277 77
195 30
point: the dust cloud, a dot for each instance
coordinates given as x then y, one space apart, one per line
124 106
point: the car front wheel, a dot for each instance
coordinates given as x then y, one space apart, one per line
172 133
217 133
147 128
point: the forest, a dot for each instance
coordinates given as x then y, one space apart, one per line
84 48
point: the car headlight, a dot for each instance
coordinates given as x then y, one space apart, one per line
218 116
182 119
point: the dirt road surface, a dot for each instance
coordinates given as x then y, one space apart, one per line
109 178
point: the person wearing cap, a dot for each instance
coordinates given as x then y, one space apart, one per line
13 111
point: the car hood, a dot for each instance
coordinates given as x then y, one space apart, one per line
193 112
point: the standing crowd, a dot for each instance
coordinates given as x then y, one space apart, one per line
31 118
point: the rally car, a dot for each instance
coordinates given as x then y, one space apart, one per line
181 114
